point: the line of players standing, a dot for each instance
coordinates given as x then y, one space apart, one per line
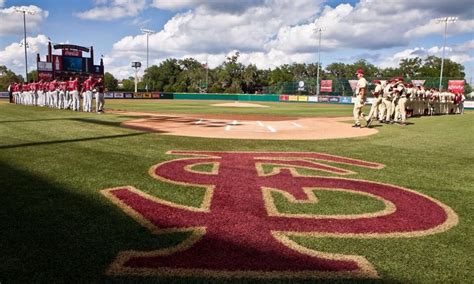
396 100
61 94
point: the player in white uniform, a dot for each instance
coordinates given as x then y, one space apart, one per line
360 98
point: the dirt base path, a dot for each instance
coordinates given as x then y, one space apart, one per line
246 126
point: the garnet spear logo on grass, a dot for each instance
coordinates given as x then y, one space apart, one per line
239 232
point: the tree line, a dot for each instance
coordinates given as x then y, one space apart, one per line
190 75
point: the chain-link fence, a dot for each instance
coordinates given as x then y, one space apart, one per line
341 86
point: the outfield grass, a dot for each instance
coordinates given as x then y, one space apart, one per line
57 227
197 107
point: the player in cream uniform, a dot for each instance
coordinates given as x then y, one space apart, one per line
402 103
387 101
376 103
360 98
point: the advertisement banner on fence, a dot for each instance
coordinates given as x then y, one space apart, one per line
147 96
345 100
109 95
323 99
293 98
138 96
418 83
283 98
155 95
326 86
469 104
4 95
333 99
370 101
118 95
302 98
128 95
456 86
313 99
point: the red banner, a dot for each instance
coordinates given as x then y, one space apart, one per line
72 52
326 86
456 86
45 76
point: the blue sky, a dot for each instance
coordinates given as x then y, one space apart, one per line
267 33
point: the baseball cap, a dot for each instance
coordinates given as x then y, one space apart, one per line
360 71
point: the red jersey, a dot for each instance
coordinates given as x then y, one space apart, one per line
26 87
63 85
72 85
16 87
33 86
52 86
88 84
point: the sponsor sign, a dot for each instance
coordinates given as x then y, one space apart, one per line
118 95
4 95
283 97
323 99
369 101
469 104
57 63
313 99
45 76
326 86
418 82
300 86
108 95
128 95
345 100
155 95
137 96
45 66
302 98
353 99
147 96
456 86
71 52
293 98
333 99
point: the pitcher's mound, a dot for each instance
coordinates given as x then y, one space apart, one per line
238 104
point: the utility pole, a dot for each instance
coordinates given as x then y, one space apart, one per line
148 32
320 31
24 10
444 20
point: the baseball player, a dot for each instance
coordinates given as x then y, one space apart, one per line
88 86
62 95
99 96
72 86
377 102
360 98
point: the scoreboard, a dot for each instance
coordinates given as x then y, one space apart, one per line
69 63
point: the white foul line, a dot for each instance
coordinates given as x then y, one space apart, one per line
199 121
297 125
271 129
227 128
260 123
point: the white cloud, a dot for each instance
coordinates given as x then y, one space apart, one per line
13 55
2 2
112 10
12 22
456 53
269 33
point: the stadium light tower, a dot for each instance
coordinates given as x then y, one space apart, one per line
25 11
320 31
444 20
148 32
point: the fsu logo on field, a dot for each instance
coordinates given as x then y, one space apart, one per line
238 231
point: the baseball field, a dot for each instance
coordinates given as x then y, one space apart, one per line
86 199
